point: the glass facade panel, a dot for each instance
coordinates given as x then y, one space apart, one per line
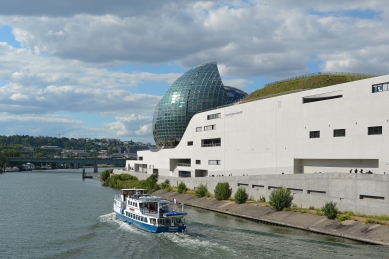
199 89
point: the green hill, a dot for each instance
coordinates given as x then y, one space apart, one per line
303 83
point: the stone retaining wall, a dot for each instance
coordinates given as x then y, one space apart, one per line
371 233
360 193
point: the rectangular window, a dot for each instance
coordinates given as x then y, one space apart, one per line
141 158
199 129
183 173
213 142
198 162
339 132
314 134
379 88
210 127
322 97
190 143
213 116
375 130
214 162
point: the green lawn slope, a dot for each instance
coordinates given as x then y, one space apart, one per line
302 83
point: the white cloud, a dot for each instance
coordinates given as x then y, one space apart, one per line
252 38
18 96
237 82
131 126
63 65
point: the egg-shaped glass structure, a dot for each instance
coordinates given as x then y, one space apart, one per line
199 89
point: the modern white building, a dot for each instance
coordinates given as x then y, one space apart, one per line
334 129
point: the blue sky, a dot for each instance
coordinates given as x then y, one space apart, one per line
98 71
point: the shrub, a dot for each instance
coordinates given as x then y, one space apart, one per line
241 196
262 198
202 191
311 207
329 209
344 217
105 175
280 198
181 188
222 191
165 184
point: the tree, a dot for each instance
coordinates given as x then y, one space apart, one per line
11 152
222 191
39 154
106 174
241 196
3 160
280 198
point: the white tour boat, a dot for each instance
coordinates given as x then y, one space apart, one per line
149 213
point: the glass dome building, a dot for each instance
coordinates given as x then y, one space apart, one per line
197 90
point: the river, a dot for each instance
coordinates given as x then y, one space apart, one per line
54 214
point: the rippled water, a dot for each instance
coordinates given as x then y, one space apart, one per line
54 214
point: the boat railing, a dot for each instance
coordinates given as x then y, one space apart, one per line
148 212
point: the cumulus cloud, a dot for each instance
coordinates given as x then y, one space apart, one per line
67 49
131 126
249 38
49 84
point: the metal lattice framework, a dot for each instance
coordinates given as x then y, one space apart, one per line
199 89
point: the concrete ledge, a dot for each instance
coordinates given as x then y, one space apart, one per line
369 233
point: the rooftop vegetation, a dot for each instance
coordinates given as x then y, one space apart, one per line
303 83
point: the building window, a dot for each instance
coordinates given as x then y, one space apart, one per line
140 158
380 87
190 143
314 134
214 162
339 133
375 130
184 173
213 142
199 129
210 127
213 116
198 162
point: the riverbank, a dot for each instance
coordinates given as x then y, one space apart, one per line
355 230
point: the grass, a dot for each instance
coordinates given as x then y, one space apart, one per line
304 83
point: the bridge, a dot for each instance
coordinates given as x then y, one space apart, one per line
75 161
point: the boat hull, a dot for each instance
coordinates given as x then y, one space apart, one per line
150 228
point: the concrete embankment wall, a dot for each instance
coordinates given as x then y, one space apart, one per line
360 193
371 233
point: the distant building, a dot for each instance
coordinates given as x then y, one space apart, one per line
51 147
75 152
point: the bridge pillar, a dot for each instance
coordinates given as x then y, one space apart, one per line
95 169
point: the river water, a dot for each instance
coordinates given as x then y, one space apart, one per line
54 214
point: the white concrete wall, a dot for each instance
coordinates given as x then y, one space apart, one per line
344 189
269 135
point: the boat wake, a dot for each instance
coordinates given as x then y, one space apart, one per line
192 242
111 219
107 217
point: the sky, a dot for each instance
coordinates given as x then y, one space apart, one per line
97 68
